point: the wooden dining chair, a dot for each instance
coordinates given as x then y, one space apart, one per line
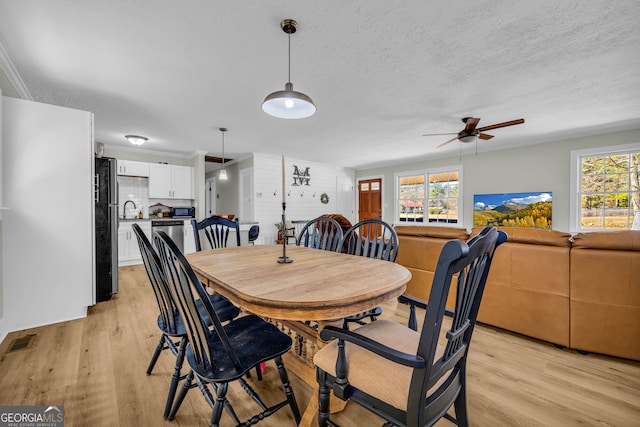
402 375
224 353
217 231
321 233
169 321
371 238
293 231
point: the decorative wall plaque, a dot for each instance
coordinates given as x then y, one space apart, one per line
301 177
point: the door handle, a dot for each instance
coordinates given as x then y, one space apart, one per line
97 189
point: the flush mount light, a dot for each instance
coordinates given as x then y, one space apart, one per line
136 139
223 173
288 103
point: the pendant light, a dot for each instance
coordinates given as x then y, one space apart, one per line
223 173
288 103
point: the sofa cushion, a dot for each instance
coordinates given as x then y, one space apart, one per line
533 236
419 249
610 240
428 231
527 290
605 293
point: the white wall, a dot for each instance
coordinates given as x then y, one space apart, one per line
2 327
543 167
47 235
303 201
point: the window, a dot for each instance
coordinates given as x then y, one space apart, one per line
432 196
608 189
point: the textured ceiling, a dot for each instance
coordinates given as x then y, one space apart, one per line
381 72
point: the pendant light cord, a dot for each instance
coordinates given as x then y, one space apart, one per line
289 57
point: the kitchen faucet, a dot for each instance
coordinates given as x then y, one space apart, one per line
124 208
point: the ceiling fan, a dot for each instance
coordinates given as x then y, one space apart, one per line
470 132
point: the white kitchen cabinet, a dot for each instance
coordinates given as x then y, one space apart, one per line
189 238
128 249
170 181
133 168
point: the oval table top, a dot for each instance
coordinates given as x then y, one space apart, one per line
317 285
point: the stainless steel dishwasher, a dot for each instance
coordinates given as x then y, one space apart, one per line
174 229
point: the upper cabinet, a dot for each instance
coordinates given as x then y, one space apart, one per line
132 168
170 181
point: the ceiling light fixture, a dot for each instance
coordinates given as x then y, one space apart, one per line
288 103
469 138
136 139
223 173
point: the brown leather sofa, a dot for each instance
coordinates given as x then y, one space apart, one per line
581 292
605 293
527 290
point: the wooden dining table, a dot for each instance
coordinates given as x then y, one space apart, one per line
317 288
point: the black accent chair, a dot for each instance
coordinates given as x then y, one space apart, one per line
371 238
254 231
321 233
402 375
224 353
169 320
217 230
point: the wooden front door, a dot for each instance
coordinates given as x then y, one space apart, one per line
370 199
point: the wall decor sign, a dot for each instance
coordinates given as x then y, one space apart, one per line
301 176
513 210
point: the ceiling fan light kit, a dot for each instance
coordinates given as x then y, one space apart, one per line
288 103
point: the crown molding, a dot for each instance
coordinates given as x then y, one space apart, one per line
13 76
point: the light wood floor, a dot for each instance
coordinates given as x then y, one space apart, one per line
96 366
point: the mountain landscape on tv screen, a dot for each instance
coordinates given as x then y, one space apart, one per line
513 210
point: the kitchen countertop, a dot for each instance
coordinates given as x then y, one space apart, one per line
151 219
173 219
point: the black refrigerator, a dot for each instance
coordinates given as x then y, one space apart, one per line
106 214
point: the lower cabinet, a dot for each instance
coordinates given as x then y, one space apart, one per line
128 249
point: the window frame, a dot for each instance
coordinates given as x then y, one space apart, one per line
426 173
575 202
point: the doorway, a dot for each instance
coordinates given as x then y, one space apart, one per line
370 199
210 197
246 195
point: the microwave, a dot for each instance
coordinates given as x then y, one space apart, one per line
183 212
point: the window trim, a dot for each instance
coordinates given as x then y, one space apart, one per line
574 212
425 172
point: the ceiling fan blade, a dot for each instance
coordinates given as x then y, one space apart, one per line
484 136
446 142
470 124
501 125
440 134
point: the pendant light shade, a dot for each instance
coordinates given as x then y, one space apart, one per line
288 103
222 175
